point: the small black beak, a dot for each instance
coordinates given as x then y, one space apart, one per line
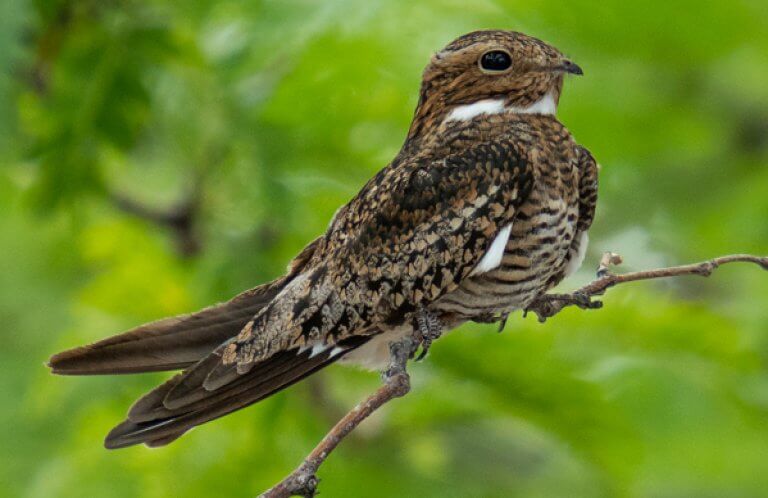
571 68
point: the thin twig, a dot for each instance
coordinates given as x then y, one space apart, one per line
397 383
303 481
180 219
548 305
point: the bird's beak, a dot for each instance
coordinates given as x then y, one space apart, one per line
569 67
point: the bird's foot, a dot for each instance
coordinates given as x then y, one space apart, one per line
501 319
585 302
430 328
548 305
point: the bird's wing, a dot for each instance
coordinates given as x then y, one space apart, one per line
587 190
151 422
411 235
176 342
414 233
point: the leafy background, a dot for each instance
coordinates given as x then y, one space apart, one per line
269 115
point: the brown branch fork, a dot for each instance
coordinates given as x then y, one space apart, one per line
303 480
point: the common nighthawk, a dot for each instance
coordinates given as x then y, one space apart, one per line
486 206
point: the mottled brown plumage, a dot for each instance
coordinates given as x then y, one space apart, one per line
484 208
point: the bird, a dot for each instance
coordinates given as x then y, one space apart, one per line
486 206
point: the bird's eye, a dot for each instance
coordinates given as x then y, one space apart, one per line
495 61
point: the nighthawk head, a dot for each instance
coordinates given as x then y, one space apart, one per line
491 71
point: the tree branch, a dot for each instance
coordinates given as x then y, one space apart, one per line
303 480
397 383
548 305
180 219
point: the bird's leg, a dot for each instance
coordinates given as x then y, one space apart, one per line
429 327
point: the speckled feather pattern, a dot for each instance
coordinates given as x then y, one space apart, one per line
411 235
414 233
409 241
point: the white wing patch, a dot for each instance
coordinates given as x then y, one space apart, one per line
492 258
469 111
318 348
336 351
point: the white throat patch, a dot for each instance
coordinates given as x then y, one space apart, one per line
545 105
469 111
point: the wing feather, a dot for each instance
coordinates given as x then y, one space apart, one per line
412 234
167 344
153 423
175 342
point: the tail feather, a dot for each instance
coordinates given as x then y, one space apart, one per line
195 342
152 422
168 344
169 400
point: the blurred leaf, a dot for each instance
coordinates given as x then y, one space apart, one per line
281 111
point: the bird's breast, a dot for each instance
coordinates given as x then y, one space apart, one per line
535 258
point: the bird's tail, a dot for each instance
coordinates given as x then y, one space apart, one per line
209 387
168 344
161 416
216 385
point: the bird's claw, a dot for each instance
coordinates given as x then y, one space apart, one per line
585 302
429 328
501 319
548 305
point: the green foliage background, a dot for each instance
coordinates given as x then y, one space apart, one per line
278 111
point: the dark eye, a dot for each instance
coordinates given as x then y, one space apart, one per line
495 60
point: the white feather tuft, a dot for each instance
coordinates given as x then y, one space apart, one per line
469 111
336 351
303 348
492 258
545 105
318 348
